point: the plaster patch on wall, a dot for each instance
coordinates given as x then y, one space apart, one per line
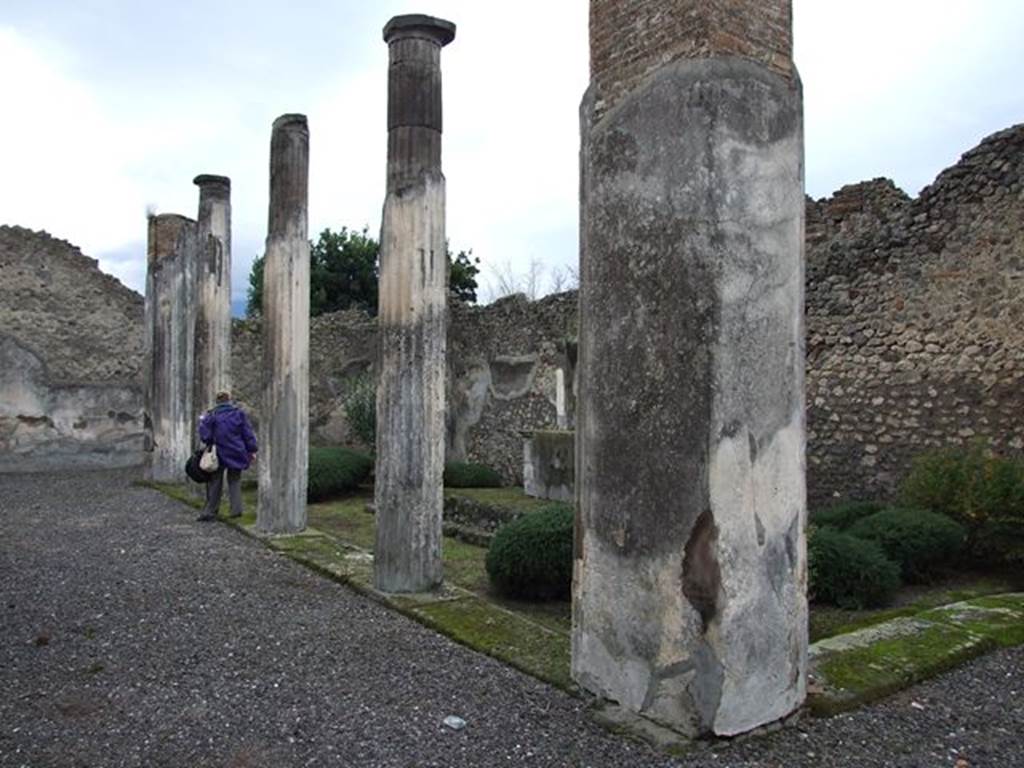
468 397
512 376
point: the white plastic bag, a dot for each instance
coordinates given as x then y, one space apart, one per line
209 462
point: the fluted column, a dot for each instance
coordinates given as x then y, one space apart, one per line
213 291
170 324
411 317
690 575
284 422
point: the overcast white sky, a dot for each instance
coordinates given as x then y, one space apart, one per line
112 106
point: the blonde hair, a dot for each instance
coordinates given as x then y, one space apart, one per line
223 396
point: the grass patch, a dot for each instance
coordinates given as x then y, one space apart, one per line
1000 618
346 519
509 637
513 498
535 636
827 621
858 675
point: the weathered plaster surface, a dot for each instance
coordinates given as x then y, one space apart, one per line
213 291
412 314
411 389
284 423
690 600
170 345
44 426
549 465
70 359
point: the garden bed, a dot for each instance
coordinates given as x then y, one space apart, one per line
535 636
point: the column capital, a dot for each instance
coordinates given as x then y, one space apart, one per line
420 26
210 181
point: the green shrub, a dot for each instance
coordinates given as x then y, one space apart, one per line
841 516
984 493
1001 541
918 540
360 404
458 474
532 557
333 471
849 572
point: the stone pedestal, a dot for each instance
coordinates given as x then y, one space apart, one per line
690 576
549 464
412 306
169 329
284 422
213 291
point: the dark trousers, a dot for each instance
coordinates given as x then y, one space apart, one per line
215 487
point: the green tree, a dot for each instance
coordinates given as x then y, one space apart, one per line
462 274
344 274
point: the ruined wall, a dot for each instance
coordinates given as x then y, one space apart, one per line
70 358
502 363
342 345
914 340
914 335
914 321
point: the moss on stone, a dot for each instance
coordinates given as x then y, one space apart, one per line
856 676
999 618
475 622
535 638
827 621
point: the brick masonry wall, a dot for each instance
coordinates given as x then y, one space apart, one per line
630 39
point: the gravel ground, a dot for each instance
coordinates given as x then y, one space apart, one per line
133 636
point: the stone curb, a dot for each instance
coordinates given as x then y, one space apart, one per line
847 671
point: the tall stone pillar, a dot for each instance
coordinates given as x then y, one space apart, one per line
284 422
213 291
690 572
411 317
170 324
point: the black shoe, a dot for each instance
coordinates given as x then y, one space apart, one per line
235 516
205 518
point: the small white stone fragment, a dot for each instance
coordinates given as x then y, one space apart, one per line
917 705
454 722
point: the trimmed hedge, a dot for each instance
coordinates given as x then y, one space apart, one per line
843 515
458 474
985 493
333 471
920 541
532 557
849 572
360 404
1001 541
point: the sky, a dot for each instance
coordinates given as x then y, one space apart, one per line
111 107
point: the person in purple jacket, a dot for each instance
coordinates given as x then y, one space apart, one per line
228 428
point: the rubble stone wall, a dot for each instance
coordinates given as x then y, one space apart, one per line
915 337
70 358
915 311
